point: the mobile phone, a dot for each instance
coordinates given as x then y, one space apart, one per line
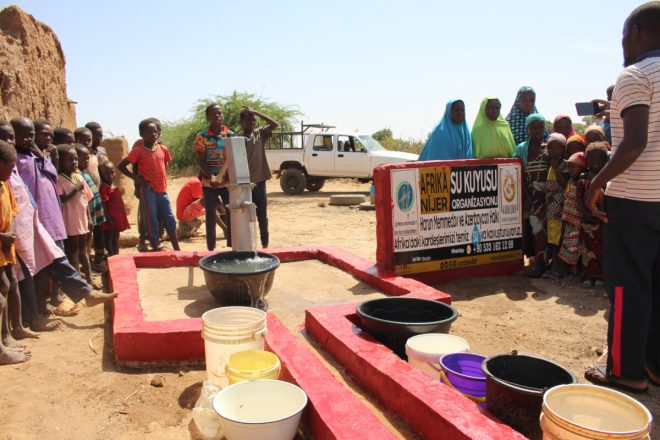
586 108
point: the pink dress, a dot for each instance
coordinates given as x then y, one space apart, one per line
34 245
74 210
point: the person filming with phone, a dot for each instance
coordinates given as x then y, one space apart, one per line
632 211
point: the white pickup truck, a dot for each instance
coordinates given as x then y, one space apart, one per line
305 159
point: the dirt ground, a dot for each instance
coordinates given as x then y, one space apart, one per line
71 388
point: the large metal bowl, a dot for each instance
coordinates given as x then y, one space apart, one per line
393 320
239 289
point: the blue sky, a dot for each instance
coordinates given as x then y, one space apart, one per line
358 65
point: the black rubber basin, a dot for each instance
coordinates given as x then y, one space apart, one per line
393 320
240 278
515 385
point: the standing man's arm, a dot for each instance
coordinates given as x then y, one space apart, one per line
635 136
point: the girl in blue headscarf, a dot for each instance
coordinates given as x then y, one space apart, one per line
524 106
450 139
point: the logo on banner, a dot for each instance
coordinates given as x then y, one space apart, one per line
509 187
405 196
476 235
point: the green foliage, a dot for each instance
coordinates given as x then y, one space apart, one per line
386 139
179 136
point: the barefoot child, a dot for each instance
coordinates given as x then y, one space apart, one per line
96 214
114 206
152 159
554 197
592 228
8 355
571 245
75 196
534 157
98 155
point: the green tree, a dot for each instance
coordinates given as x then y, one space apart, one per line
386 139
180 135
382 135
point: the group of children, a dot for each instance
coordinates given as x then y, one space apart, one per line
56 198
562 236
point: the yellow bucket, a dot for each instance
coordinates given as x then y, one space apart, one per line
580 411
252 365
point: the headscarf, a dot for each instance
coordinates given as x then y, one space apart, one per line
449 141
559 118
516 117
578 158
491 138
577 138
557 137
594 127
522 150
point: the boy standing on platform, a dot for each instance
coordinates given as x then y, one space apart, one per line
259 169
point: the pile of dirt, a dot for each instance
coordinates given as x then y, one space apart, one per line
117 149
32 73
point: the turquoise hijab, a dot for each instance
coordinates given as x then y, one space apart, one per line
449 141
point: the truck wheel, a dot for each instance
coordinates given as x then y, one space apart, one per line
315 183
293 181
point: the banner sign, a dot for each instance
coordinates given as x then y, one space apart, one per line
456 216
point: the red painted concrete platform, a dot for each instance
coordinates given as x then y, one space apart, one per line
139 341
333 411
429 407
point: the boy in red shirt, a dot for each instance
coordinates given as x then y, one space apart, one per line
152 159
190 209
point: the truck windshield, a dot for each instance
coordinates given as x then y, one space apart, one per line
370 143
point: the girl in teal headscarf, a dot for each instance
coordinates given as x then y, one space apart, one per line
534 157
491 134
451 138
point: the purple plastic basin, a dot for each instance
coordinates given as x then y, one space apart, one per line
463 370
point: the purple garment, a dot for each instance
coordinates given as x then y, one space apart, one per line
39 176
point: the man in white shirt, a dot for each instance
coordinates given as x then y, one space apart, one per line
632 211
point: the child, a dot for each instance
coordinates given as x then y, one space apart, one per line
209 148
97 155
534 157
8 355
83 135
592 228
63 135
594 133
96 213
44 139
554 197
258 165
152 159
575 144
114 206
571 245
75 196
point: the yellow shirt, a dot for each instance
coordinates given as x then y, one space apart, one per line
8 210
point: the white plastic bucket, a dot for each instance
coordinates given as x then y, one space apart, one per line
229 330
423 351
581 411
260 409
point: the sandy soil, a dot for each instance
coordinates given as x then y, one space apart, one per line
71 389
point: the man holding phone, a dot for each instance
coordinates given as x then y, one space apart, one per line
632 211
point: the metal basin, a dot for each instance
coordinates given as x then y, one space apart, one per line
240 278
